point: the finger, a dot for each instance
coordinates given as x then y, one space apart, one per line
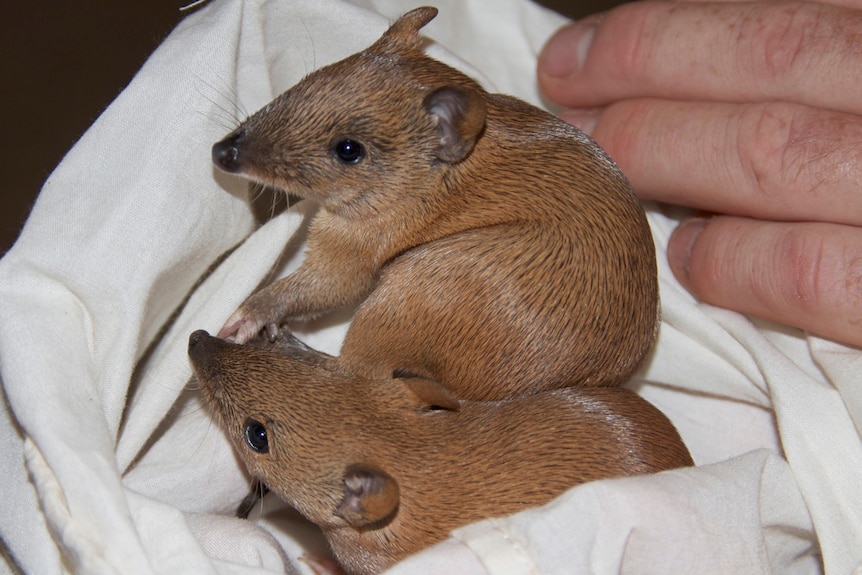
804 275
852 4
731 51
772 161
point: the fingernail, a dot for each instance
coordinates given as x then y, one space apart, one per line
584 119
680 246
566 51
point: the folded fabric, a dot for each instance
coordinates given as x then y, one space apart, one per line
113 464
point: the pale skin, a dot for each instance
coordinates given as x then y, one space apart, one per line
751 111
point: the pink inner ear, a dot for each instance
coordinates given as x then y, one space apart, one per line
459 115
447 107
371 496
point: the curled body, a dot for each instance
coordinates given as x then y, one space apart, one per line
489 245
389 466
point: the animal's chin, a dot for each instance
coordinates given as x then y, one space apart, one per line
296 186
277 187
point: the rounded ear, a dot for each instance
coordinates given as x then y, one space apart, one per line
459 115
371 496
404 32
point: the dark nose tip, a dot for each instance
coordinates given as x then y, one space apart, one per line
226 153
197 337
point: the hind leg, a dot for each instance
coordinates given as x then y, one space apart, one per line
472 312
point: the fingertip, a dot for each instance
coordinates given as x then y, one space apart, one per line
567 49
563 56
680 247
804 275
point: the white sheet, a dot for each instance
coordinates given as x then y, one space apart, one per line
111 466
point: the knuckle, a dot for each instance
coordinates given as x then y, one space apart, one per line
818 281
777 42
852 290
799 264
766 146
821 275
788 148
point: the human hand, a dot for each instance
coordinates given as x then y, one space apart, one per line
747 110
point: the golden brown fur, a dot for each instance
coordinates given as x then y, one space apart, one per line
494 248
389 466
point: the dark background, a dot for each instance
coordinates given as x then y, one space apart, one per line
63 62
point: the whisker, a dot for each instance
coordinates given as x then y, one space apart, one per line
255 497
267 201
220 122
225 101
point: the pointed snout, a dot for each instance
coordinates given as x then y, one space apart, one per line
200 343
227 154
207 355
205 348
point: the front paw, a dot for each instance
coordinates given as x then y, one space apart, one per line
242 327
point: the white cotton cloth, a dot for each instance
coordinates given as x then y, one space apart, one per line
111 465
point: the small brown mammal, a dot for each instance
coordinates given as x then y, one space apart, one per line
491 244
387 467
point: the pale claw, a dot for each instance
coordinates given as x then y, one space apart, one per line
272 332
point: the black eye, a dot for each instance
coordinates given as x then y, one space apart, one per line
255 435
349 151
